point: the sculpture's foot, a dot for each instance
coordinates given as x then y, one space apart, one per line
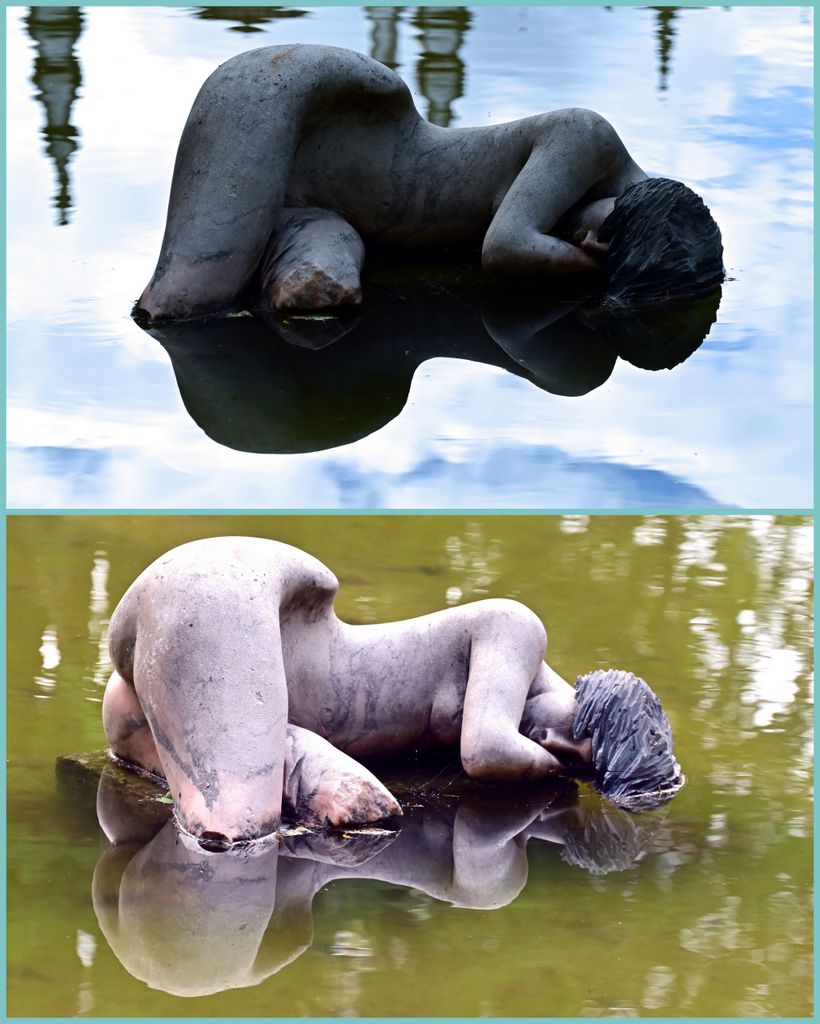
310 287
313 261
323 786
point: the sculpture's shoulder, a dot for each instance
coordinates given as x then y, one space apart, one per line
579 125
510 617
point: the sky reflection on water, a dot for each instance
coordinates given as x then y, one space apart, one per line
718 97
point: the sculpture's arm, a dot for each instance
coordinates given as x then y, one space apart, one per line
575 151
506 657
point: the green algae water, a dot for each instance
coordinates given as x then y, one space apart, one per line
702 910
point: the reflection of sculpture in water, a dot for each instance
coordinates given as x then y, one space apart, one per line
439 70
57 76
263 384
192 922
294 157
236 683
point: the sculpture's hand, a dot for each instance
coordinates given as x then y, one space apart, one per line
591 247
565 258
547 720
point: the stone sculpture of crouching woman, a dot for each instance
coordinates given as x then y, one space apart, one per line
236 683
294 156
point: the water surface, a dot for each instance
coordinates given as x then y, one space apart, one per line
721 98
704 912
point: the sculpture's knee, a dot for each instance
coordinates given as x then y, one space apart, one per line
208 673
185 289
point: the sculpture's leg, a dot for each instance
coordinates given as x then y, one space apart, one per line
230 178
207 669
313 261
324 786
127 729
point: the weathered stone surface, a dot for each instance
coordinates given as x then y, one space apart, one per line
281 130
236 682
245 687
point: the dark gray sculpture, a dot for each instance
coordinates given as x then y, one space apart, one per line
293 157
237 684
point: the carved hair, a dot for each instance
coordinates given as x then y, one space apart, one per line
664 246
631 739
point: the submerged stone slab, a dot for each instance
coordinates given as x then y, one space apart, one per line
78 777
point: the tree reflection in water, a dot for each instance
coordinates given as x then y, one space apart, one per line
57 77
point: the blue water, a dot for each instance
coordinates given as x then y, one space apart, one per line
721 98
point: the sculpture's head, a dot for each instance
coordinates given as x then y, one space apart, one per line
631 739
664 246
